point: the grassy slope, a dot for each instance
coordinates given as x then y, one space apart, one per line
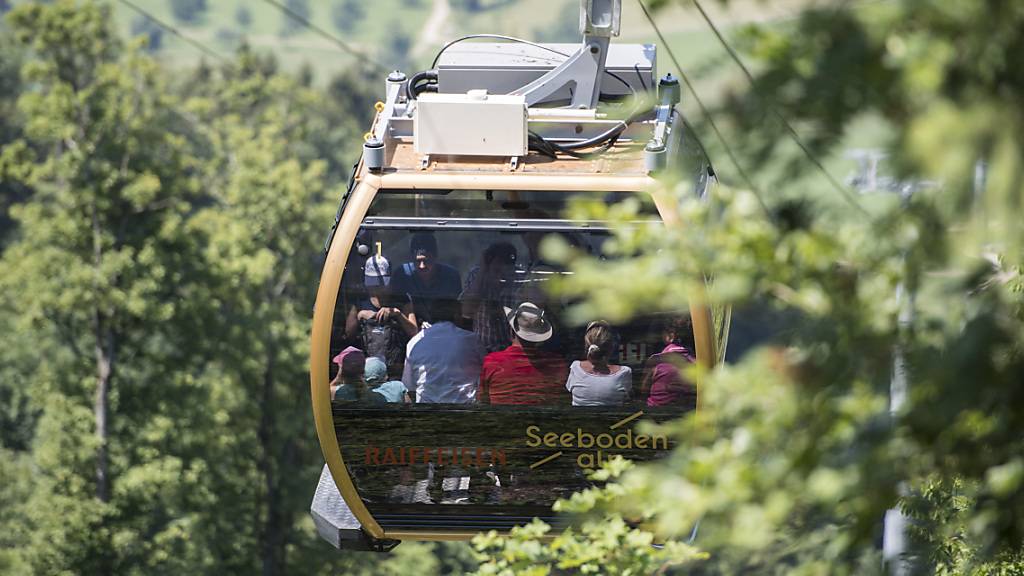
698 51
519 18
218 26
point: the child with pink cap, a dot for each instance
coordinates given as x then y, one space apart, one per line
349 385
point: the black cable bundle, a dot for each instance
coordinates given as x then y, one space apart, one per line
423 81
604 142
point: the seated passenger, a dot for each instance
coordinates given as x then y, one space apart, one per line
523 373
442 363
425 279
490 288
595 382
376 377
348 385
383 319
663 381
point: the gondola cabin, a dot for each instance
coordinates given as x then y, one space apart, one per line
451 393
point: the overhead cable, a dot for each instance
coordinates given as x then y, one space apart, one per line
704 110
437 57
327 35
778 115
195 43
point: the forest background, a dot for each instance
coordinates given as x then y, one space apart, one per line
162 220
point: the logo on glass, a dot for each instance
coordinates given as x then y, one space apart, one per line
595 446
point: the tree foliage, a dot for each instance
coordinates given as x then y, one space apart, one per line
158 273
243 16
188 11
346 14
160 243
143 26
794 457
289 25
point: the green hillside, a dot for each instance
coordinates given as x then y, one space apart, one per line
384 26
405 34
220 29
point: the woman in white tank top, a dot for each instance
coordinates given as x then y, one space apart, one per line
595 382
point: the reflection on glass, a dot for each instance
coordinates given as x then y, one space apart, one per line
475 391
493 204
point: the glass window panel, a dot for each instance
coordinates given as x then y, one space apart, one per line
506 204
500 401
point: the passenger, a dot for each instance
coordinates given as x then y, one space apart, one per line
376 377
490 288
663 383
383 319
348 385
523 373
443 361
595 382
425 279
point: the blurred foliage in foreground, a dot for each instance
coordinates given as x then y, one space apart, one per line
160 243
794 458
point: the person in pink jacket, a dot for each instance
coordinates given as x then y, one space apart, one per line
663 383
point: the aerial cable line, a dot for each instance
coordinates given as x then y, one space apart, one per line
327 35
704 110
778 115
195 43
451 43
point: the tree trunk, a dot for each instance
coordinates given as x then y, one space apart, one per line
273 529
103 345
104 371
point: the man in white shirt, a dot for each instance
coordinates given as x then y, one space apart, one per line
443 361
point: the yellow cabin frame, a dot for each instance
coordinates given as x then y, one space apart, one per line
366 185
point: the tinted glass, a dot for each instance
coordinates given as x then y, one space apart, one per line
513 204
482 393
763 323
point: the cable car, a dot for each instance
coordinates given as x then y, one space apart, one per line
487 403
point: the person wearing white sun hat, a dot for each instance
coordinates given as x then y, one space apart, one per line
523 373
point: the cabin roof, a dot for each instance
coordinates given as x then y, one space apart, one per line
623 159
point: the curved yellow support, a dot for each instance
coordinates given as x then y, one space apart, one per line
700 312
703 337
330 283
320 349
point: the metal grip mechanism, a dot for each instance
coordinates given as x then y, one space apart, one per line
582 72
600 17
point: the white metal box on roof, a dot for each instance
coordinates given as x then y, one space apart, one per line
474 124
